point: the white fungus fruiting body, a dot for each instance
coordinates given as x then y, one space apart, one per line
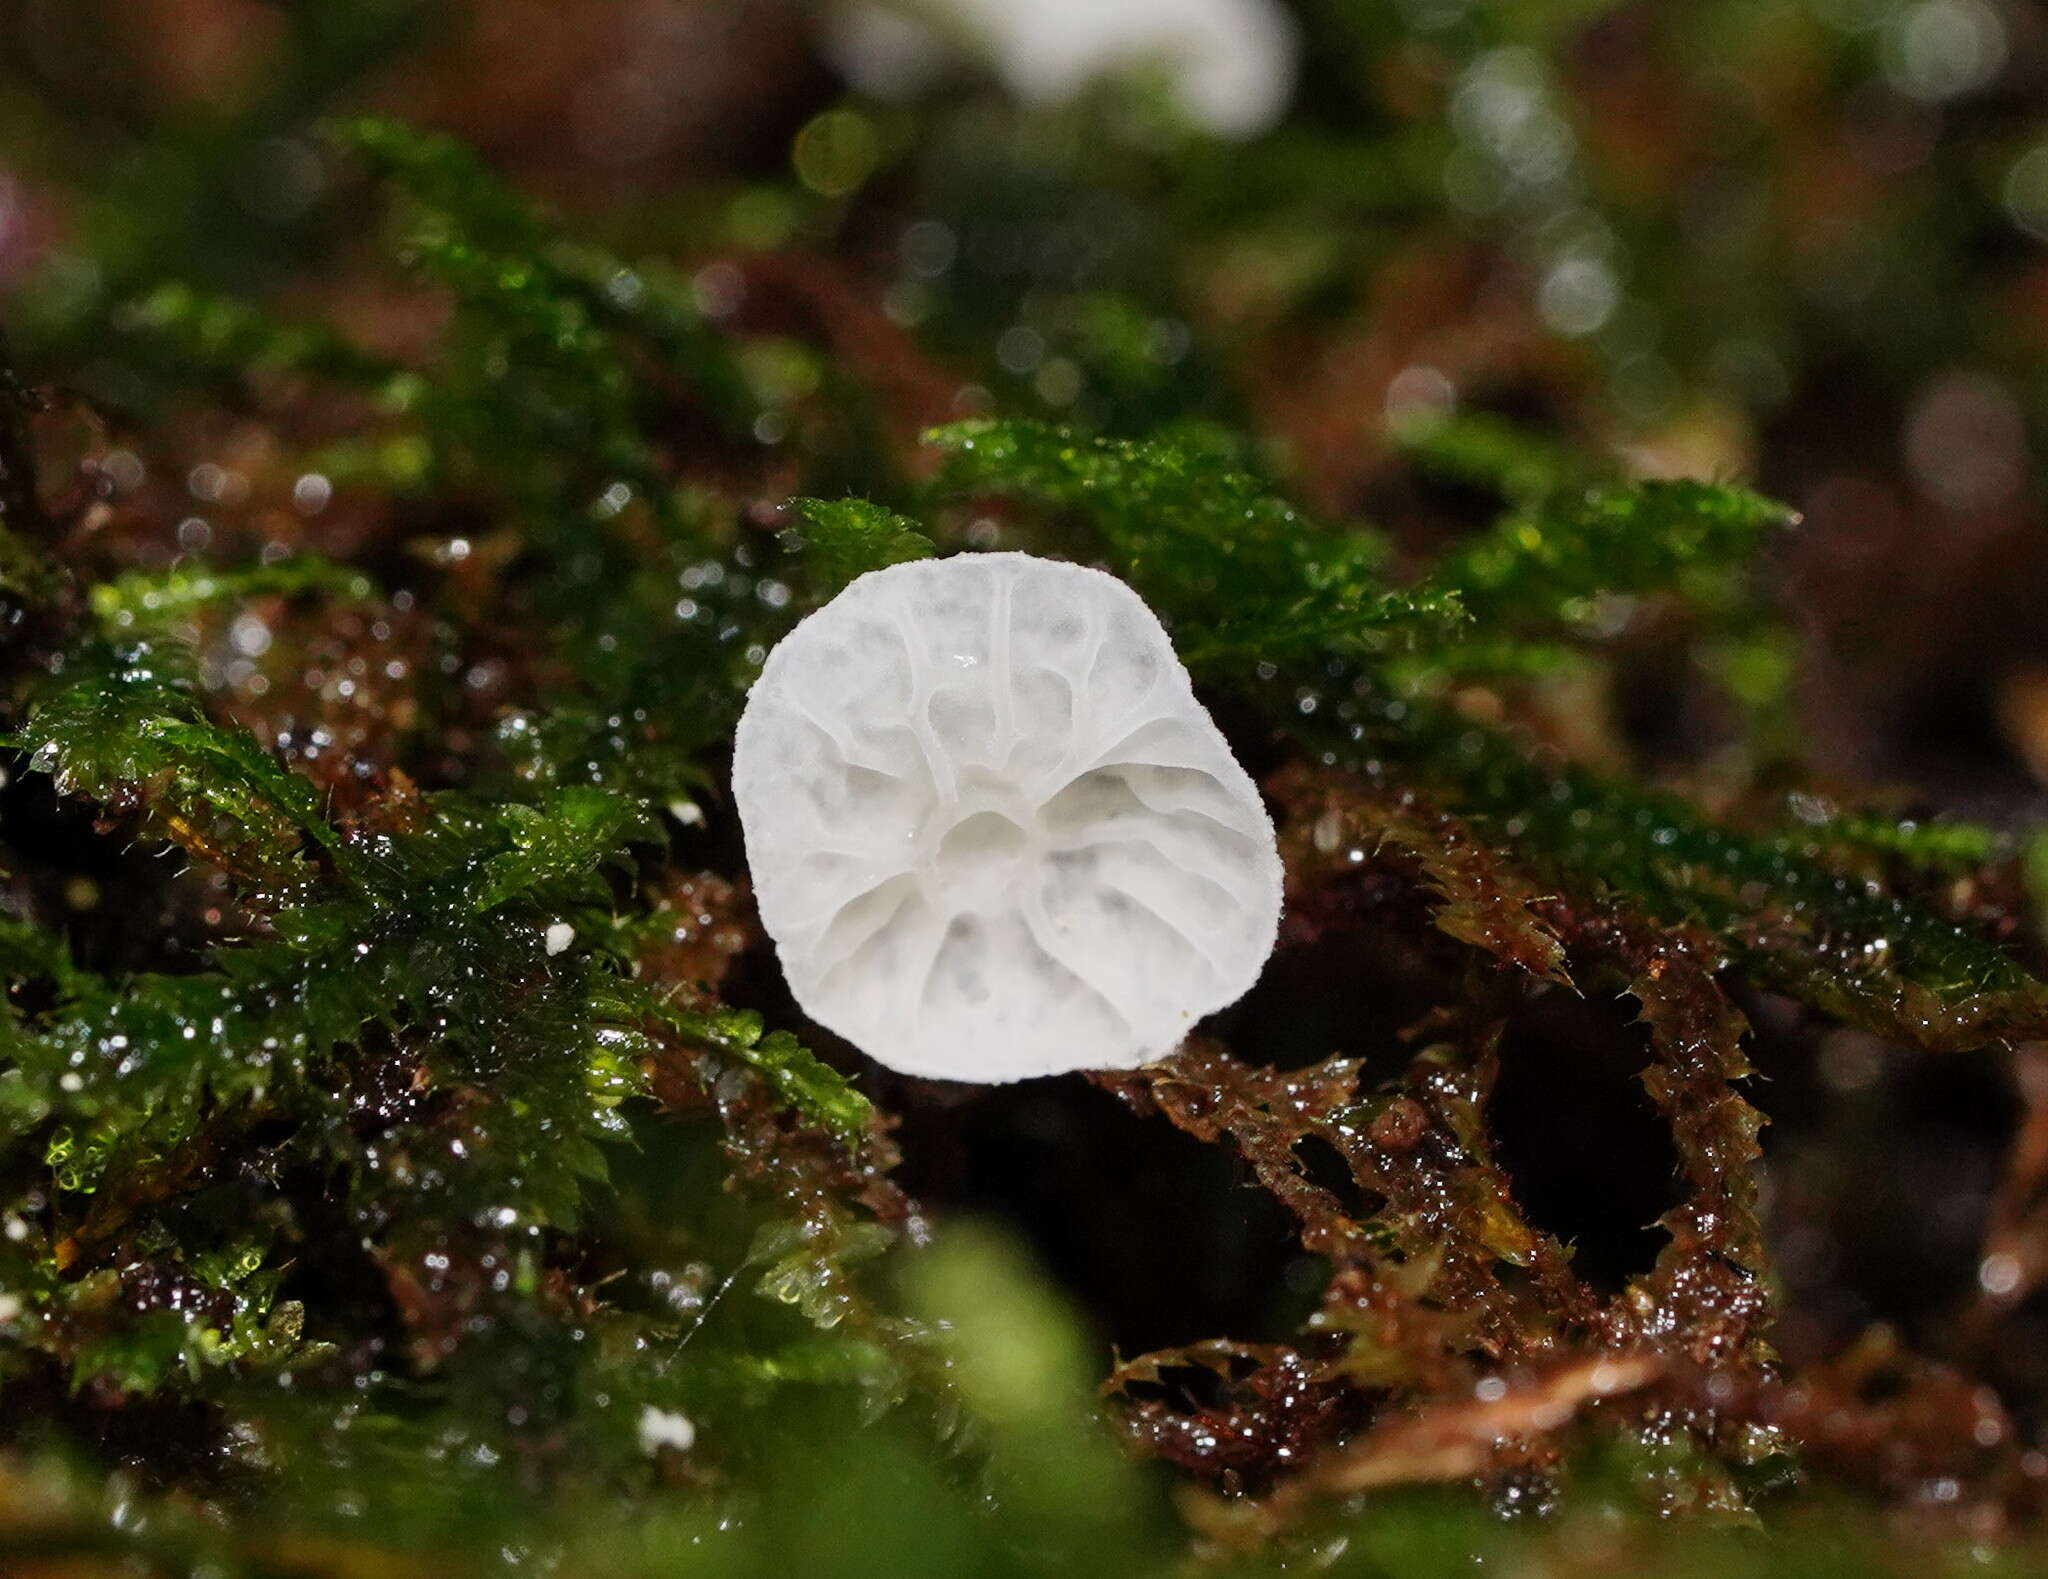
1231 63
991 830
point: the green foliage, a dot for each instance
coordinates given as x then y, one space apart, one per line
1221 552
1239 572
1489 452
792 1071
1549 566
569 319
567 836
844 538
1018 1363
1813 930
431 945
153 600
1944 846
122 725
237 343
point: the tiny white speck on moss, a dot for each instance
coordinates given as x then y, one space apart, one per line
660 1428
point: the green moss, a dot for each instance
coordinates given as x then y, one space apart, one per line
844 538
1239 573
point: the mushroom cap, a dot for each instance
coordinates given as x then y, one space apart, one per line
992 832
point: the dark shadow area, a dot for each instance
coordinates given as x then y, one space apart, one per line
1161 1239
1590 1160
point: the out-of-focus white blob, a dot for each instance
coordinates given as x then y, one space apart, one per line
660 1428
1966 441
992 832
1231 62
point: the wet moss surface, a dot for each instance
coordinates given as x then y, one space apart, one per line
411 1160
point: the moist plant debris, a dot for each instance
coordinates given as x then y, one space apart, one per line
1635 1159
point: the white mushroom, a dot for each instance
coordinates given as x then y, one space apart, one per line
1231 63
992 832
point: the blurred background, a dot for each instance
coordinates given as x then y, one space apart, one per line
1799 243
1793 241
